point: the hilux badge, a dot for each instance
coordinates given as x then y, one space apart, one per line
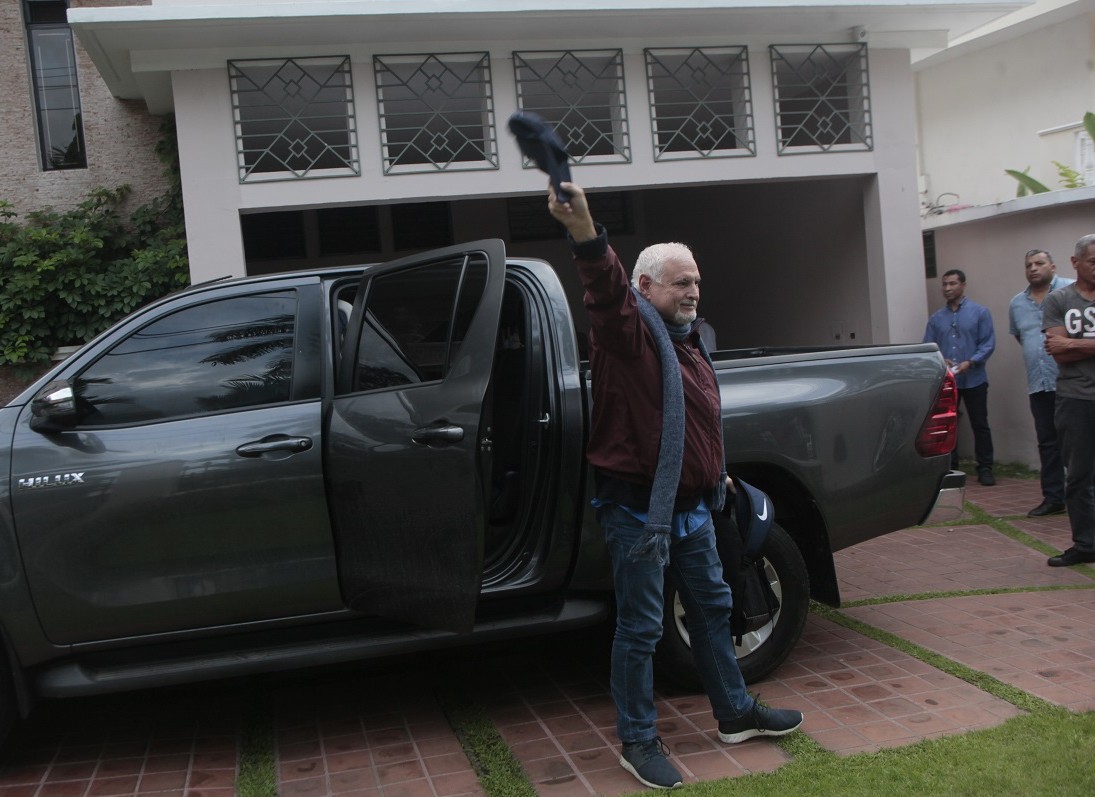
59 480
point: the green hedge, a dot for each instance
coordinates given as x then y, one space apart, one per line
65 277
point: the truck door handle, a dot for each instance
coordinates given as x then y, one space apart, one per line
438 434
275 442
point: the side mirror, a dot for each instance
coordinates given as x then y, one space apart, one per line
54 408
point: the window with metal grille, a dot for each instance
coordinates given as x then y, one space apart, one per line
822 97
700 103
436 112
294 118
581 92
56 89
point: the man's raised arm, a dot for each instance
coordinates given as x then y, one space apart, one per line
573 214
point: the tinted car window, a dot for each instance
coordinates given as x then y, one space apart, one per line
415 321
221 355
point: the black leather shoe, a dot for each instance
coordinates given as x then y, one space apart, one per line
1046 508
1071 557
985 478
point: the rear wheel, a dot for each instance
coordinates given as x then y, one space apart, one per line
760 651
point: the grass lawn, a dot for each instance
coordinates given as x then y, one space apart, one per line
1049 753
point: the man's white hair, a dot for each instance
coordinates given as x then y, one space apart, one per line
651 261
1081 246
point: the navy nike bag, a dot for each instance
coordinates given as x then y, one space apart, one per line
741 530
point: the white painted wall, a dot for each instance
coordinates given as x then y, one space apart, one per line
989 244
207 161
981 113
894 249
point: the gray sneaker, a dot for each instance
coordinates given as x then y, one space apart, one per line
647 762
759 721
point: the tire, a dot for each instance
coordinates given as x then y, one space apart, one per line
761 651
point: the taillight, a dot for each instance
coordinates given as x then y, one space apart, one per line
939 433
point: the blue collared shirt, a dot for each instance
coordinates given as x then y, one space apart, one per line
964 334
1025 318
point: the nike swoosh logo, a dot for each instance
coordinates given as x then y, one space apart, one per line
763 515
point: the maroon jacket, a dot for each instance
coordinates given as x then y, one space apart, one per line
627 389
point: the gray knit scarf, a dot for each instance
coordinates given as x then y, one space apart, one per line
654 544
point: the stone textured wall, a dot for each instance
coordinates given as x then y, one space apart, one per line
120 136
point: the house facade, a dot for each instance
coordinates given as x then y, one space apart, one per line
777 139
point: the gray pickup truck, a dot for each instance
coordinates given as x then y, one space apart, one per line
311 467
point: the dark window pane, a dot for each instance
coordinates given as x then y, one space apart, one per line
471 293
529 222
407 336
421 225
46 12
929 254
348 231
613 209
56 90
273 236
222 355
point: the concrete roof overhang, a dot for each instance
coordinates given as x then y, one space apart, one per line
1040 14
135 48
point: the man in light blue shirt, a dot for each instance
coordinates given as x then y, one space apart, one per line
1025 317
964 333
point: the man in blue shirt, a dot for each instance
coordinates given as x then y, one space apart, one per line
963 331
1025 317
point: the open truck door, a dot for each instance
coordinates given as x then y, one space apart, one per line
403 435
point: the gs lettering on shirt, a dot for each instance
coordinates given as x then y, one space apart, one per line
1080 323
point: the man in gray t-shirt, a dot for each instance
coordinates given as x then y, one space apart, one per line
1068 319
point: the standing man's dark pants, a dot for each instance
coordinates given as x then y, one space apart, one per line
976 401
1042 406
1076 430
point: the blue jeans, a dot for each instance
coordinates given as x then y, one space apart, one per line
1075 420
1052 470
696 570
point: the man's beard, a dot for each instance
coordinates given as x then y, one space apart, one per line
683 317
